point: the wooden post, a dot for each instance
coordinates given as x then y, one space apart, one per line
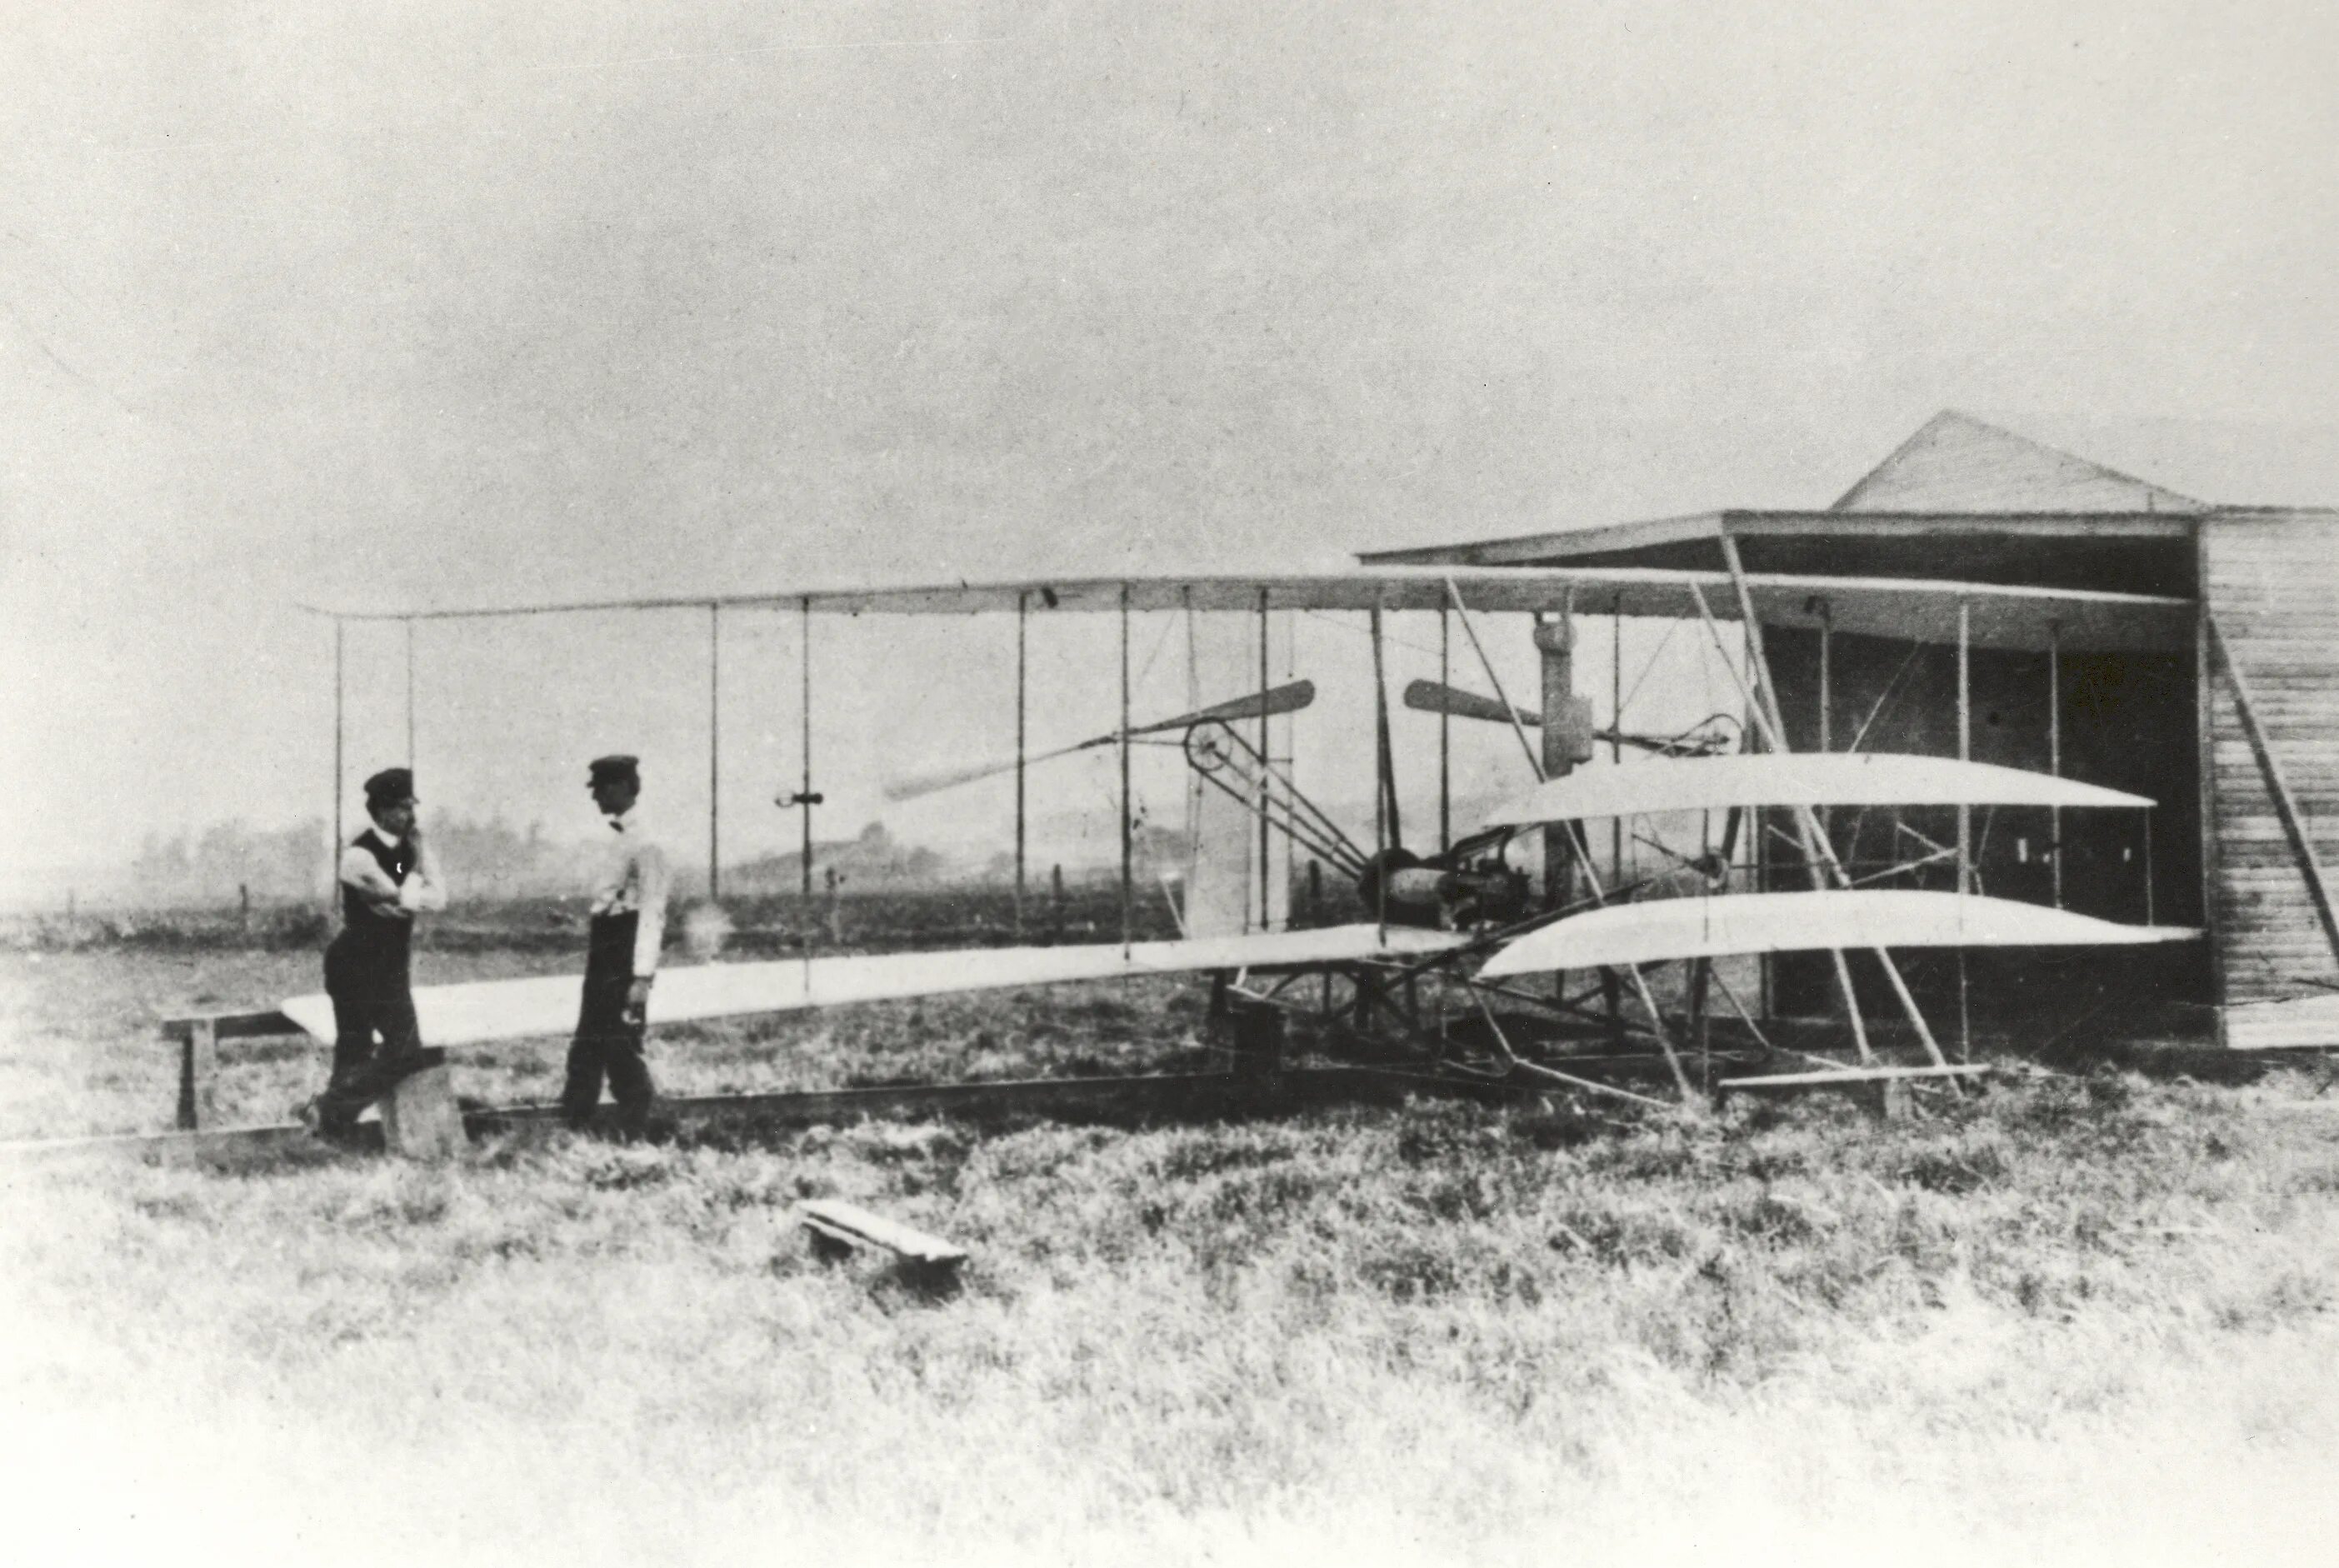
199 1075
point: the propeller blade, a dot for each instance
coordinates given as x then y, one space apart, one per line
910 786
1437 698
1283 700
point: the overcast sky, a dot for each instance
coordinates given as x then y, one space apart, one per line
441 303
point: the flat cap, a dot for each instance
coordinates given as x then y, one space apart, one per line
392 786
615 766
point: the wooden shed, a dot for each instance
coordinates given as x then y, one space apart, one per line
2232 727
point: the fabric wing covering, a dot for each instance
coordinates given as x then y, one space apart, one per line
522 1008
1801 778
1748 923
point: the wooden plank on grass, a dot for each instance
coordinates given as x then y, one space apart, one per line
854 1225
1854 1077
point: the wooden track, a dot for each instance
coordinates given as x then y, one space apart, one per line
1173 1094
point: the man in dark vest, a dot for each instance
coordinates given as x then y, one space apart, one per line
621 956
386 876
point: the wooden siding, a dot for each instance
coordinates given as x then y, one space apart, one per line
2271 579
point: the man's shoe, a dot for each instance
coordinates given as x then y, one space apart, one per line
325 1127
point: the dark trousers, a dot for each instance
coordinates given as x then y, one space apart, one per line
608 1044
375 1036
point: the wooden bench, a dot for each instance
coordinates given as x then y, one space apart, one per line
197 1036
419 1118
837 1227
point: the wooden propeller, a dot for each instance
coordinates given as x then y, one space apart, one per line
1283 700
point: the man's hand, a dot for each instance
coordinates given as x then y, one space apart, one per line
638 999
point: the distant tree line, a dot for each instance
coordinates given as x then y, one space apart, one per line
485 860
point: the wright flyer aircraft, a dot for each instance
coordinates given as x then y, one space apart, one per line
2012 745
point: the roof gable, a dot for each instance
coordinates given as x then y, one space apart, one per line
1957 463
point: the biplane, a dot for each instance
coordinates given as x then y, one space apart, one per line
1442 942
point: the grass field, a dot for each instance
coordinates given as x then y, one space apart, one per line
2074 1318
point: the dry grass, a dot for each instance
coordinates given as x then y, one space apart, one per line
2082 1320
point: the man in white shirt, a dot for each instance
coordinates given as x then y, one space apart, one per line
386 876
621 956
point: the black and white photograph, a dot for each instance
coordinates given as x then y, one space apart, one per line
1015 781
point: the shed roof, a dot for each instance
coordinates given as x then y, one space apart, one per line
1957 463
1960 499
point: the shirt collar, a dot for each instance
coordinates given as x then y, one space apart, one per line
374 831
629 820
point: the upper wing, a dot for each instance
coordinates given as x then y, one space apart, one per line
1801 778
520 1009
1910 609
1669 929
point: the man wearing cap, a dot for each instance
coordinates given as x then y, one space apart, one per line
621 955
386 876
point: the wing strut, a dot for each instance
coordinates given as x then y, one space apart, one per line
1766 710
1384 797
1128 844
1575 844
1266 784
1445 738
1023 618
